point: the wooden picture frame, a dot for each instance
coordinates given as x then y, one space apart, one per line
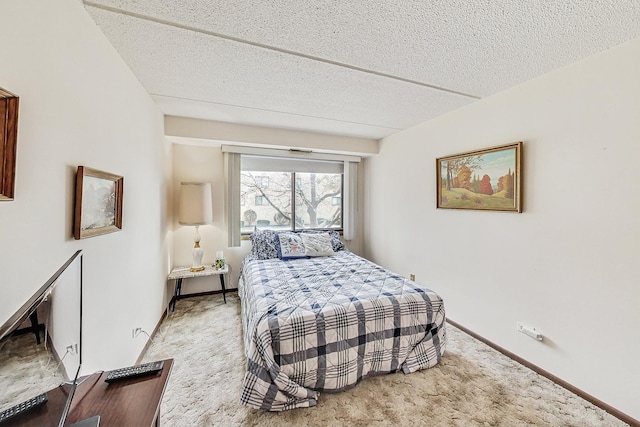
8 141
488 179
98 206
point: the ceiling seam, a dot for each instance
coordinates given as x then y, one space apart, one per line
276 49
274 111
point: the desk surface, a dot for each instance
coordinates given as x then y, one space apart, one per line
134 402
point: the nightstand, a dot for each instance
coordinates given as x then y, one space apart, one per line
180 273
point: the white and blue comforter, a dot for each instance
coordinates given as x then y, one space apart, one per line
323 324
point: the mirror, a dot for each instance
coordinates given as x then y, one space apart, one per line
41 345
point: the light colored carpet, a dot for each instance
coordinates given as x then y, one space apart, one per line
473 385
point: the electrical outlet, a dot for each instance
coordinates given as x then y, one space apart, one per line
529 331
135 332
72 349
412 277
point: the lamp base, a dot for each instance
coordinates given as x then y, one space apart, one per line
197 254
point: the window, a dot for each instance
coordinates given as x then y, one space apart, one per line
288 190
291 200
314 193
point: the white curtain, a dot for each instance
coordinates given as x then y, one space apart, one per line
232 197
350 200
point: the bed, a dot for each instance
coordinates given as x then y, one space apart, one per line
323 323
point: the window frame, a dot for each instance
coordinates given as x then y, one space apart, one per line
234 153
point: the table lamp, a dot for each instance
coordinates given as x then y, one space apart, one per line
196 209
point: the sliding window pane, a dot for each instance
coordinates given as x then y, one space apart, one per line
267 200
316 200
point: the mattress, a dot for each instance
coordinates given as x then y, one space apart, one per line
323 324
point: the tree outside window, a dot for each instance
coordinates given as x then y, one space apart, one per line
291 201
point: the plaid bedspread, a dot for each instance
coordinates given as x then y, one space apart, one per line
323 324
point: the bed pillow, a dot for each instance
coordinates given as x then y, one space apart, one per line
317 244
263 244
336 243
290 246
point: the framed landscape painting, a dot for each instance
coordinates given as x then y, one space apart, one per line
98 207
487 179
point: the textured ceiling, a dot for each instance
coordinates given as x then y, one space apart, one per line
363 68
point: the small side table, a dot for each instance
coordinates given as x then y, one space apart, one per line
179 273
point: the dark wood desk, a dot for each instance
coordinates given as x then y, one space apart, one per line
126 403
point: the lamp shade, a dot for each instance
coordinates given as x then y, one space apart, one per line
196 207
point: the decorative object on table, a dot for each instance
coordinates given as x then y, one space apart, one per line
196 208
98 208
220 263
488 179
8 141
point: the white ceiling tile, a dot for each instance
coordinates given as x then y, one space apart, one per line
259 56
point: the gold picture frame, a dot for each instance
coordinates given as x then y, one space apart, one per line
8 143
488 179
98 205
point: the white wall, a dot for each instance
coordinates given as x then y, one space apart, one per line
204 163
81 105
568 264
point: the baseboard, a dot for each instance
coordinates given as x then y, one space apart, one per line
150 340
586 396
